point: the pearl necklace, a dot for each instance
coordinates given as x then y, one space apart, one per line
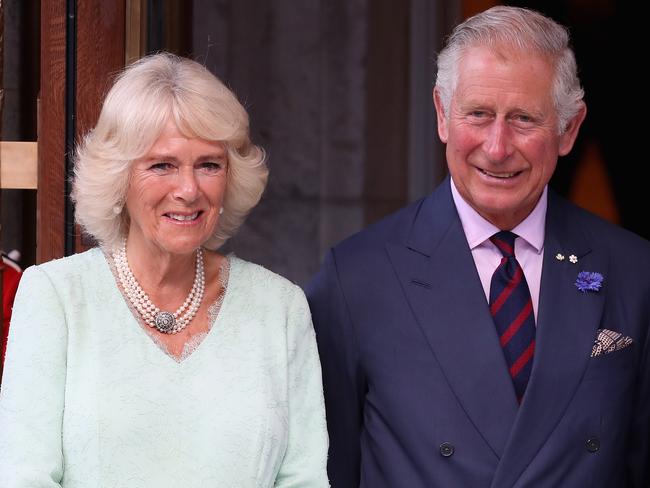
161 320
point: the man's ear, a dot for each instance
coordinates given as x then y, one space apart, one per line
440 116
568 138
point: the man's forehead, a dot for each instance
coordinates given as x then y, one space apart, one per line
503 52
485 64
488 78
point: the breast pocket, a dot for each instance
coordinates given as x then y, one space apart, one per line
612 365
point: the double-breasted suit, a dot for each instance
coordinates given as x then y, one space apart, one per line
416 385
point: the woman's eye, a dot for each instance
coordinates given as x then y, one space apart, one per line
211 166
161 166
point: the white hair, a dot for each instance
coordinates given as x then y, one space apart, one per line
144 97
522 30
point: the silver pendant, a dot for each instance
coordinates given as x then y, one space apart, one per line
164 322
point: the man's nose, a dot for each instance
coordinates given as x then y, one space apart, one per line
497 142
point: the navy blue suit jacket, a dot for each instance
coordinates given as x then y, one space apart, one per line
416 385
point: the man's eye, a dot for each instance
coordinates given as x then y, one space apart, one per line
478 117
523 118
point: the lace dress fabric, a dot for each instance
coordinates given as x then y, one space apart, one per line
89 401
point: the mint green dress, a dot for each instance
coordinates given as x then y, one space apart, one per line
89 400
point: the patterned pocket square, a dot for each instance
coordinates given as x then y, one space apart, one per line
609 341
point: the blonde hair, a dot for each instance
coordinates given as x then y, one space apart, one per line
145 96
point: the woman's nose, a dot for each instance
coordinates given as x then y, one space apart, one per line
187 188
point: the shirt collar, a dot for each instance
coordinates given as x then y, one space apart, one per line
478 230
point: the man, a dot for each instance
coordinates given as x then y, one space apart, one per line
447 366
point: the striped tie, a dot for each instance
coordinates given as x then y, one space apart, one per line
512 310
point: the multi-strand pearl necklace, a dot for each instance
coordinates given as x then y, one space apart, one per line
165 322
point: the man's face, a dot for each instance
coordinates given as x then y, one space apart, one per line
502 132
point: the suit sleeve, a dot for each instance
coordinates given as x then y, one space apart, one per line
343 382
305 460
33 386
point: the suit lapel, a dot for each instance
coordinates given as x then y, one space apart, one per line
566 329
440 281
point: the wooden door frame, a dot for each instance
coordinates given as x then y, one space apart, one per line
80 54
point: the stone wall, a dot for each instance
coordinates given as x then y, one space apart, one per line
307 72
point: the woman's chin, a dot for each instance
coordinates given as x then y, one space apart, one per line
180 247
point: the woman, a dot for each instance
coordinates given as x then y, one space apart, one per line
153 360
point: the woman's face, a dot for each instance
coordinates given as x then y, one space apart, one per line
175 193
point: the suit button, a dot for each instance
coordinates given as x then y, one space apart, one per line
593 444
447 449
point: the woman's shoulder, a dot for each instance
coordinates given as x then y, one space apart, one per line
251 276
85 263
69 280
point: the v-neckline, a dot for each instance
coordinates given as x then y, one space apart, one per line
195 341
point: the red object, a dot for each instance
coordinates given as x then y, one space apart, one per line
11 274
512 310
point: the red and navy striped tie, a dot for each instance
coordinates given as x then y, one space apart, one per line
512 310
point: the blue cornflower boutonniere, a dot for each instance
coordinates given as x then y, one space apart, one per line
589 281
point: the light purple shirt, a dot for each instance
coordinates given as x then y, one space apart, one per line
529 246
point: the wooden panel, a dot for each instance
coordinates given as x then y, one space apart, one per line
135 29
100 55
51 133
177 21
19 165
101 33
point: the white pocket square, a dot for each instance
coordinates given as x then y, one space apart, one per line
609 341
